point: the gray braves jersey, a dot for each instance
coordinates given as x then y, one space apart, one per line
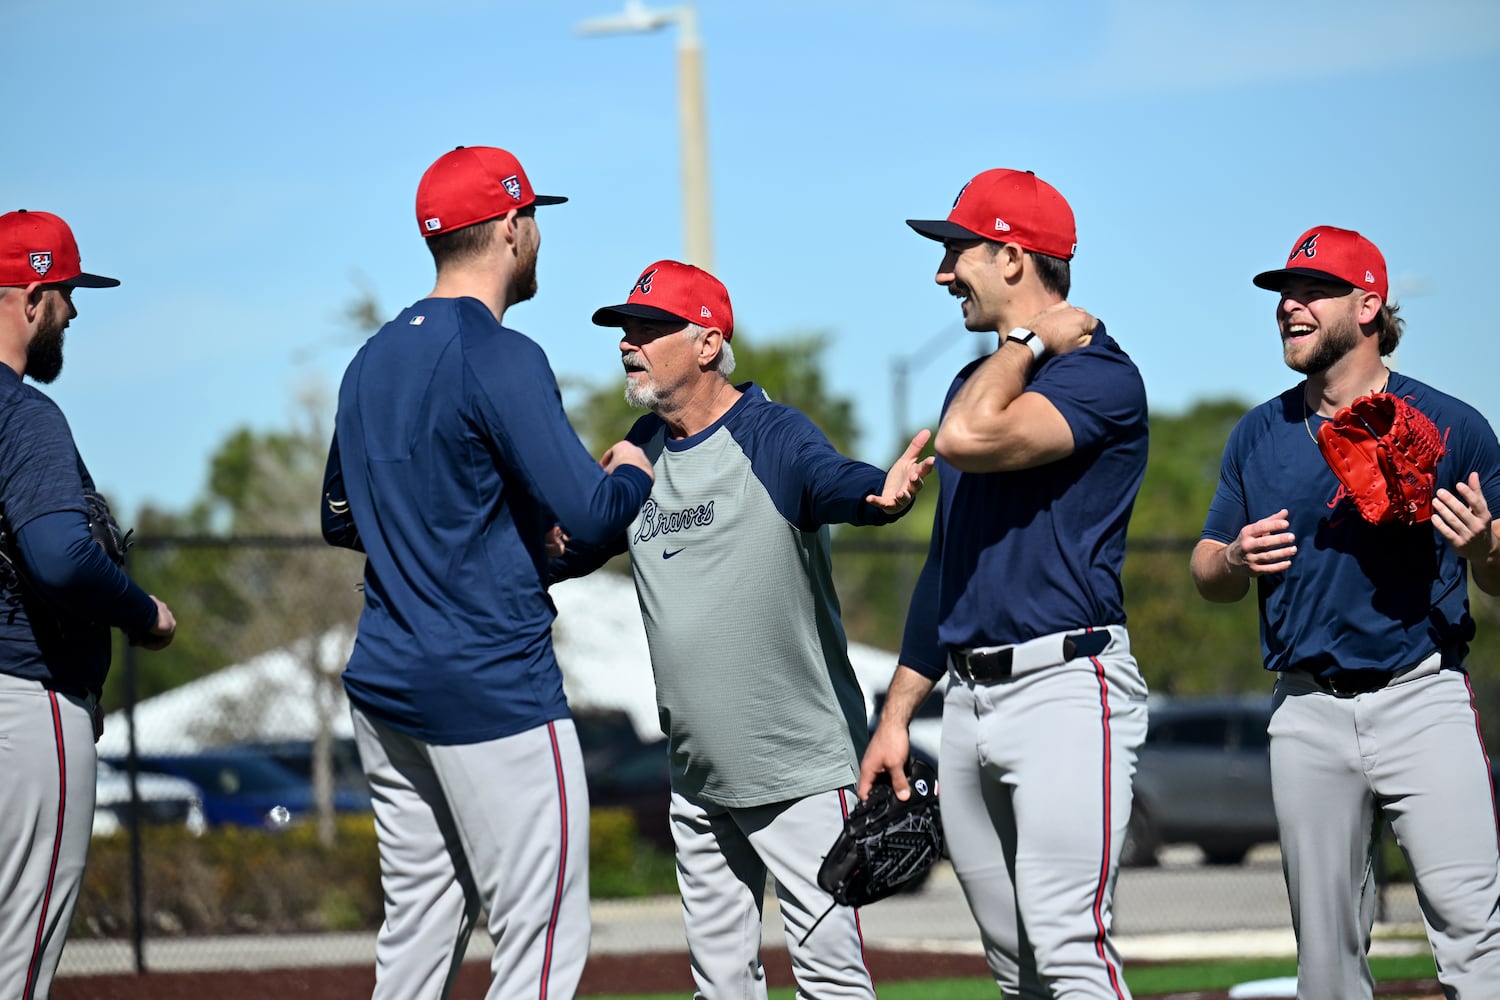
754 689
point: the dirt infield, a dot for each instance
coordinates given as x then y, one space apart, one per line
604 975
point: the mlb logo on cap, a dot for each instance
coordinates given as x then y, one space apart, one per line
670 291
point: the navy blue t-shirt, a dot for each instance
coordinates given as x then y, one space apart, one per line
1357 595
1016 555
45 637
454 455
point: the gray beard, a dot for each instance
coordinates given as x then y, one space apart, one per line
640 395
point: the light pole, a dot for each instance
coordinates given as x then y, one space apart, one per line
903 365
696 225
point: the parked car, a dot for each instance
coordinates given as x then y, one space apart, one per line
1203 777
296 755
625 771
243 785
163 799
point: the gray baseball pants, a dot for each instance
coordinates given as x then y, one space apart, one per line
1412 751
723 856
1035 787
503 824
46 820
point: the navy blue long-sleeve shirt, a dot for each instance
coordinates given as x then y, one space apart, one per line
451 459
55 618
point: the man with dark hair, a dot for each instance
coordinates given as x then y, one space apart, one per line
60 593
451 461
1367 626
1041 451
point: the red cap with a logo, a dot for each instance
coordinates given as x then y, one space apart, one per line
473 184
1008 206
38 246
1329 253
671 291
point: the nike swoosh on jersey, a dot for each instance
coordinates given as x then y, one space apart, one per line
667 555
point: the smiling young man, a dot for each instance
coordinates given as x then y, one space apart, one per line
1367 626
1041 451
763 714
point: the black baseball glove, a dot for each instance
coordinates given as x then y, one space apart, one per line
886 843
105 530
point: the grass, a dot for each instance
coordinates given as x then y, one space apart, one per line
1144 980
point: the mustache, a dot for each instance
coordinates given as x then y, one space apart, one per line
632 363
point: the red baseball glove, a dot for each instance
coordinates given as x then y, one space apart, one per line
1385 451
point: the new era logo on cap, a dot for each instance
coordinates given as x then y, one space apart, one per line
1330 253
473 184
670 291
1015 203
39 247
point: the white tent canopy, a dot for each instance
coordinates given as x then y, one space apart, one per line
600 643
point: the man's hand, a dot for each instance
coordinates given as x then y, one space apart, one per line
624 453
1063 328
904 480
555 543
889 747
1263 547
1465 521
159 635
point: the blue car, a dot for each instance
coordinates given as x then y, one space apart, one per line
247 787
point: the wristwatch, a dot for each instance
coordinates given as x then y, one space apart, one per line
1029 340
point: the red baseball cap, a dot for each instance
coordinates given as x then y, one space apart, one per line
1331 253
670 290
1008 206
473 184
38 246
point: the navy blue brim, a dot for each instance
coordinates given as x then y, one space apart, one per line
942 230
89 281
616 315
1275 280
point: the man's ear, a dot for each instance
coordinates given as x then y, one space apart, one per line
34 293
508 226
1011 259
709 346
1369 308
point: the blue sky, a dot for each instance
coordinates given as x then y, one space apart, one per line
247 169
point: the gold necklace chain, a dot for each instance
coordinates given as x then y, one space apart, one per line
1307 410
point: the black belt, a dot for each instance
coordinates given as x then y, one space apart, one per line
994 665
1348 683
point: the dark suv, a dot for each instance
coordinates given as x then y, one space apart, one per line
1204 777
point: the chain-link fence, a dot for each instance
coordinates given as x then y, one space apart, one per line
233 821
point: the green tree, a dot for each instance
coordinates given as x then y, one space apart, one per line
1184 644
246 574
